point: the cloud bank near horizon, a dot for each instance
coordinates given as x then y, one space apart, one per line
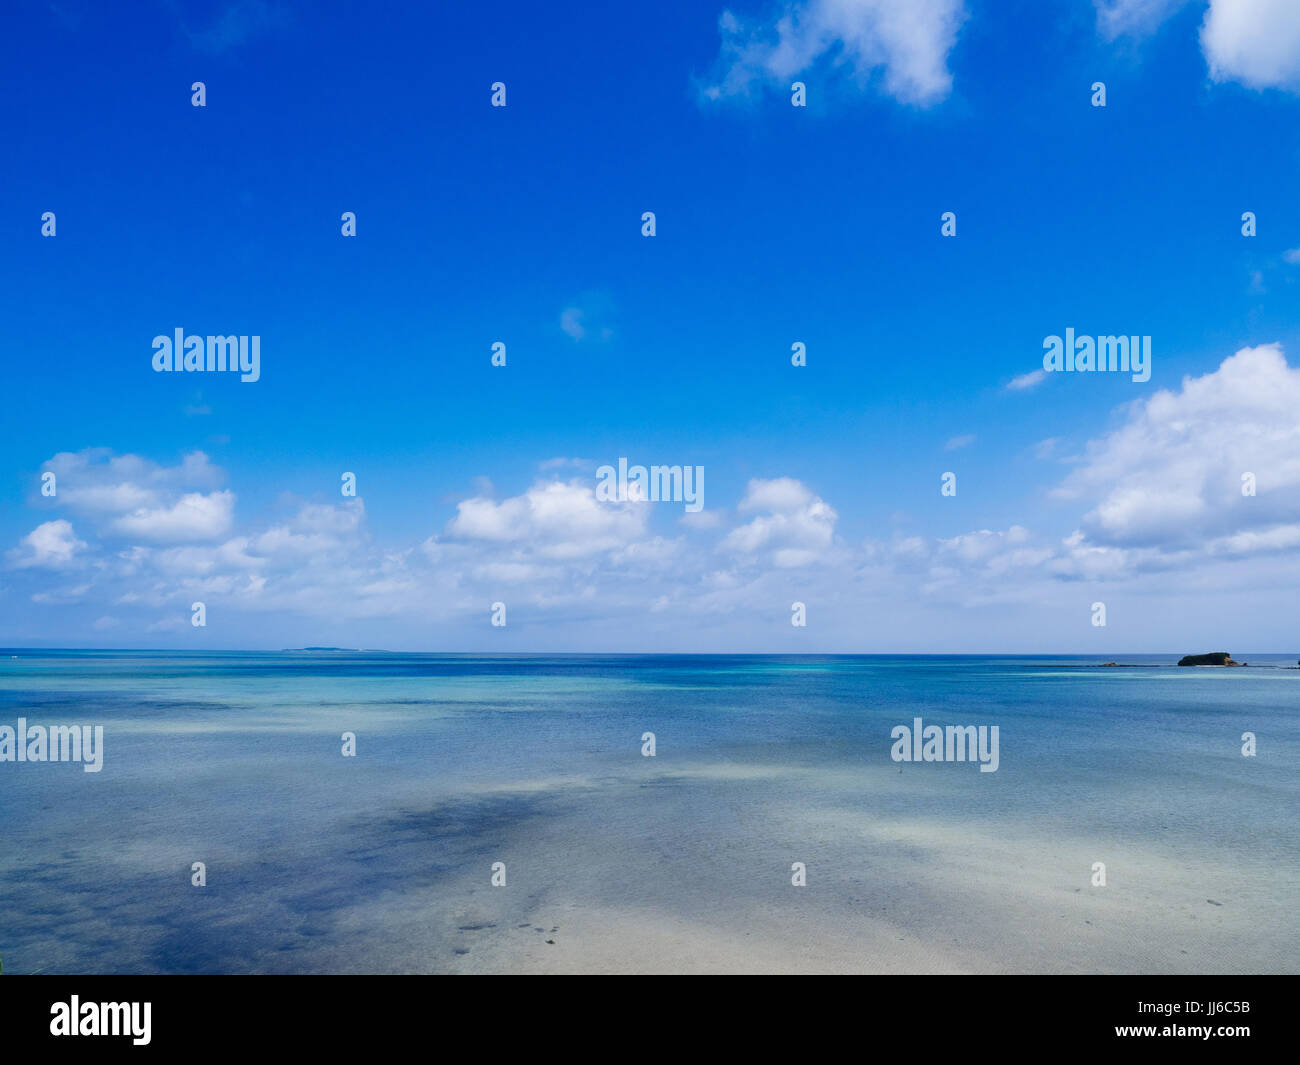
1154 507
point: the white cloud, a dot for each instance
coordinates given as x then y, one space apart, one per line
316 529
107 498
192 561
974 546
62 596
1025 381
958 442
1255 42
782 494
1115 18
1292 256
797 528
701 520
51 545
1171 476
1162 492
1157 493
97 482
907 43
192 517
556 520
1241 544
510 573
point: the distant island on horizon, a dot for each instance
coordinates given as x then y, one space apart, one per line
1213 658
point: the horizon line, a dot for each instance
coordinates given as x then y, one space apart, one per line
613 654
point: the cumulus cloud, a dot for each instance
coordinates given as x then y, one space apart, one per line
1158 492
1254 42
1171 476
51 545
315 530
96 481
134 498
906 44
191 561
795 528
317 560
1161 492
781 494
192 517
555 519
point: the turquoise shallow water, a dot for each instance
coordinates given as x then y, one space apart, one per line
381 862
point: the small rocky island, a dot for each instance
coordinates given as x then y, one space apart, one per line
1214 658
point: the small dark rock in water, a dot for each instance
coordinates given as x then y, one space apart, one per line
1214 658
1213 903
551 942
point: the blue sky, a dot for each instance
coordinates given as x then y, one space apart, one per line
775 224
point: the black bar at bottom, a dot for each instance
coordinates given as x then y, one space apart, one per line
1244 1015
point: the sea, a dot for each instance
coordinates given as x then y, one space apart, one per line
362 811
